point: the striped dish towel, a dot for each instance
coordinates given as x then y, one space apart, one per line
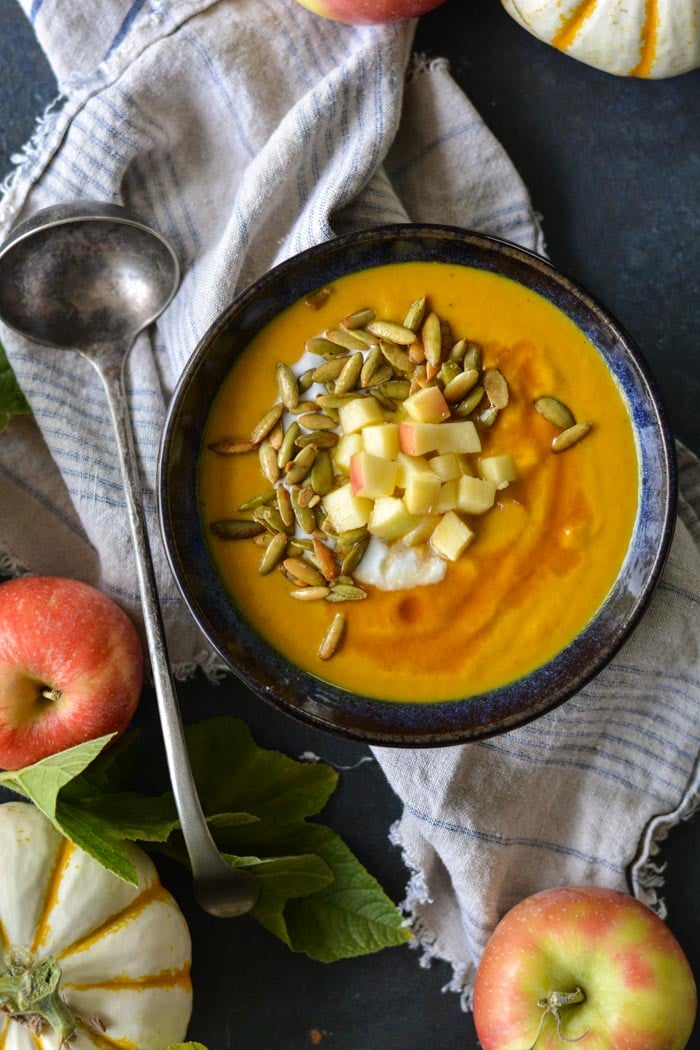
247 130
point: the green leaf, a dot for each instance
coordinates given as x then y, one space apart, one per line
350 916
12 400
187 1046
281 878
42 781
233 774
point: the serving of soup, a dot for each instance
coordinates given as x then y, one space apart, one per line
419 484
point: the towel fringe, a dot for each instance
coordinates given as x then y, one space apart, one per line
33 154
424 940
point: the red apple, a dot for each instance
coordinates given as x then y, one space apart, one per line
71 667
370 12
588 965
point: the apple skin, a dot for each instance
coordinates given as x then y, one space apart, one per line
638 986
63 635
370 12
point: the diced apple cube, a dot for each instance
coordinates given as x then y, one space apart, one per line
447 500
427 405
358 413
372 476
475 495
346 510
415 439
451 536
421 493
390 519
346 448
499 469
408 467
446 465
381 439
421 533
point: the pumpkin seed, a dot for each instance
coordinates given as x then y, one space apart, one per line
231 447
310 594
415 315
488 416
346 592
342 337
300 466
318 438
330 369
297 547
305 380
555 412
316 300
383 374
416 353
270 518
458 351
354 556
397 358
268 461
432 339
466 407
473 356
460 386
263 427
259 500
396 333
322 473
286 450
329 401
236 528
304 572
496 387
395 388
287 385
349 376
352 536
333 637
570 436
359 319
284 506
274 552
307 496
449 370
324 556
306 519
319 346
365 337
317 421
275 436
304 406
370 365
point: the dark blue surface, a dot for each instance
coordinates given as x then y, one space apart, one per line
613 166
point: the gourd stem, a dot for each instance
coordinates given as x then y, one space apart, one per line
32 992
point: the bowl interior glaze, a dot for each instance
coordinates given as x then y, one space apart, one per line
299 693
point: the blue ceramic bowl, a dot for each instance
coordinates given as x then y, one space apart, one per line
299 693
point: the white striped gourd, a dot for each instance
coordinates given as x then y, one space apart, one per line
123 952
634 38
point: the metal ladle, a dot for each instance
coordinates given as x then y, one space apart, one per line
88 277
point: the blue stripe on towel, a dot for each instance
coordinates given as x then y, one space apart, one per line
126 25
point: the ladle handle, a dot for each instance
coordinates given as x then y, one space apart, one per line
201 848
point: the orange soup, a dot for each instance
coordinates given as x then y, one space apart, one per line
526 549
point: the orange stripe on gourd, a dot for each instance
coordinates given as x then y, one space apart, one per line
63 858
566 35
152 893
101 1040
650 39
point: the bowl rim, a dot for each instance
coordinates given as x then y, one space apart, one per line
405 723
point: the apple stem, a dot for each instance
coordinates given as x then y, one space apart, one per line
550 1005
29 994
51 694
